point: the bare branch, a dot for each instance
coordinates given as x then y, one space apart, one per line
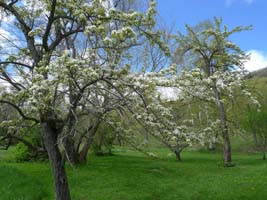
16 63
19 111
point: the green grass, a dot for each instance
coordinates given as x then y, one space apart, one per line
131 176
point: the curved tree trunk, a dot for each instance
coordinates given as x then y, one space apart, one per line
56 161
87 145
84 151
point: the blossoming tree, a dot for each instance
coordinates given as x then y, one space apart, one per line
52 84
218 71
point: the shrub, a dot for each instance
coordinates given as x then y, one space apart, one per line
103 141
22 152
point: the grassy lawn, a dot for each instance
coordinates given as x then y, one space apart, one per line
131 176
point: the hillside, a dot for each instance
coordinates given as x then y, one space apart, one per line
258 73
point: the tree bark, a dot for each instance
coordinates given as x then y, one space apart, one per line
227 154
83 153
264 149
178 156
226 148
87 145
69 140
57 162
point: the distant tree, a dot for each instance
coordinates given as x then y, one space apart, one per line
220 63
254 118
160 118
256 123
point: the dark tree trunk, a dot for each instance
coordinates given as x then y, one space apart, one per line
227 155
88 143
56 161
119 141
75 155
264 149
72 152
83 153
178 156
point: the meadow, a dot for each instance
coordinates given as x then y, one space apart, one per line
130 175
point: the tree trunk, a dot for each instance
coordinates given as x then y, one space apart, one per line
264 149
178 156
227 155
70 147
87 145
56 161
83 153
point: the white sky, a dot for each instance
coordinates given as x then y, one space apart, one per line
258 60
168 93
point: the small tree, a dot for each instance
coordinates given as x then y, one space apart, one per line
158 117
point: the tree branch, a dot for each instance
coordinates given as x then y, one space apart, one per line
60 37
16 63
19 111
49 25
24 27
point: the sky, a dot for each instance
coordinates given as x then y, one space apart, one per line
177 13
234 13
